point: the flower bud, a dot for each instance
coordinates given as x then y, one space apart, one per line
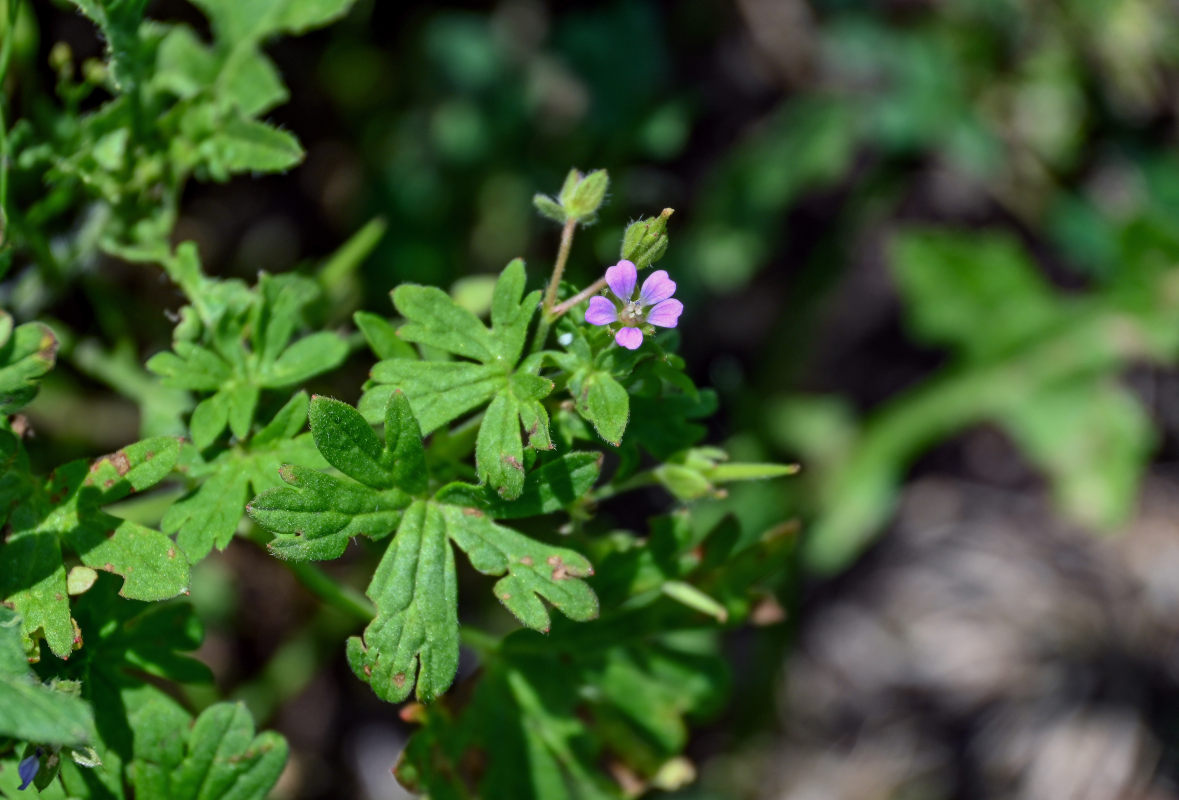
587 196
61 58
645 241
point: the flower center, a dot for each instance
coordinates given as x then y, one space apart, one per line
631 314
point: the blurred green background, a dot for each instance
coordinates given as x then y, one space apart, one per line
925 248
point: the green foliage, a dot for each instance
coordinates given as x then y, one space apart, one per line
30 710
442 391
180 107
512 469
574 706
1040 364
65 511
414 587
236 343
216 755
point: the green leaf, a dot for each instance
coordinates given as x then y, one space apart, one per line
218 758
511 312
316 515
246 347
29 710
246 145
414 637
550 208
604 402
208 419
241 401
250 81
499 452
440 392
564 714
382 337
435 319
535 570
184 65
303 360
257 20
121 635
65 511
190 367
26 353
209 515
349 444
977 293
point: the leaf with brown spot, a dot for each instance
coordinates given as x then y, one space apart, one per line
66 513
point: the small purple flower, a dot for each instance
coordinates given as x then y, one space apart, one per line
27 769
653 306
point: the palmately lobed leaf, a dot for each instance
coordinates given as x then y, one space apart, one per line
209 515
413 641
442 391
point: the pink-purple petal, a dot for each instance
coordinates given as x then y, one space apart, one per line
601 311
657 288
666 314
630 338
621 279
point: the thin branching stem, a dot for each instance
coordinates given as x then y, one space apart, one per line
581 296
550 295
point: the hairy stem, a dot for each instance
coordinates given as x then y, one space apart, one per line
344 598
327 589
550 295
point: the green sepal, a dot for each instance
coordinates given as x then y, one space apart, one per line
645 240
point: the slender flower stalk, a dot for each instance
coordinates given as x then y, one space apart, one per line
584 294
550 296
